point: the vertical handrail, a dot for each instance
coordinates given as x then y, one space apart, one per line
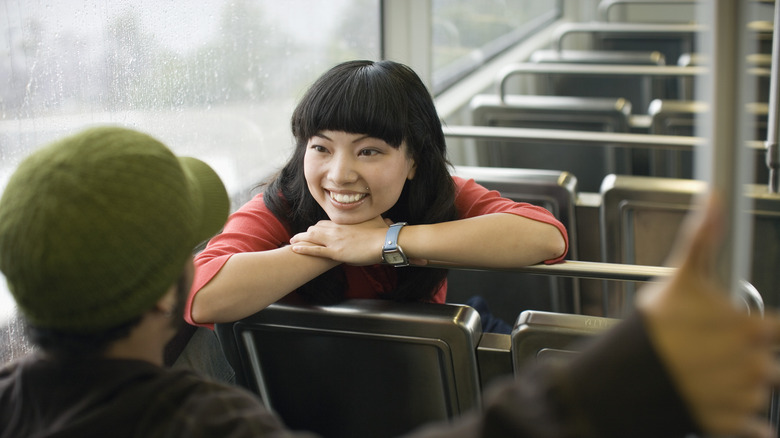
728 170
772 148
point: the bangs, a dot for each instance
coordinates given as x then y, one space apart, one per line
355 100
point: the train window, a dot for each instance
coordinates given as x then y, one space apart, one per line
217 81
466 33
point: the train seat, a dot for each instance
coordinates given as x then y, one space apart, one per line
543 337
640 218
638 84
603 114
601 86
359 368
758 71
589 163
675 117
678 117
635 85
509 293
761 31
672 40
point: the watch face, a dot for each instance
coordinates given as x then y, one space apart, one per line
394 258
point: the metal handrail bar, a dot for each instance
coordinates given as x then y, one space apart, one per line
607 271
606 5
578 269
675 142
595 69
645 28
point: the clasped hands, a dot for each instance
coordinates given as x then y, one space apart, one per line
354 244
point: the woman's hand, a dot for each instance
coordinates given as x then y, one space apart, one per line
358 244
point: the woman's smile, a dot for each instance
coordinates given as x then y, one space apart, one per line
346 199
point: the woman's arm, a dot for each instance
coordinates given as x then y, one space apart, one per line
248 282
493 232
498 240
247 267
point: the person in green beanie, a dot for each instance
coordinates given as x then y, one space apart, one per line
96 239
97 233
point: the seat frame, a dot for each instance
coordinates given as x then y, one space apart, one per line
415 360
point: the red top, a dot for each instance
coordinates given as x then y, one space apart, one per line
255 228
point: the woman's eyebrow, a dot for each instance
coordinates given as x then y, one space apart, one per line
361 138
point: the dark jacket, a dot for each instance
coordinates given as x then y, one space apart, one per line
617 388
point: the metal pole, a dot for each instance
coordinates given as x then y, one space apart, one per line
772 148
728 170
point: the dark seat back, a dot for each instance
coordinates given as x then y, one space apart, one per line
552 337
674 117
640 218
589 163
509 293
672 40
360 368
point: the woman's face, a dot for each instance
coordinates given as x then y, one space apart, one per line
355 177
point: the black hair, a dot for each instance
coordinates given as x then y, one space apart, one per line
69 346
388 101
74 345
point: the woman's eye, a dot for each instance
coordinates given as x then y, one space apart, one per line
319 148
368 152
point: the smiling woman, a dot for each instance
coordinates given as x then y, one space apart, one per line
369 152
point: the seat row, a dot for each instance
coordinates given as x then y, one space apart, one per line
331 368
610 112
633 220
631 78
380 368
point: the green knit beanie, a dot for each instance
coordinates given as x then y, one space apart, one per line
96 227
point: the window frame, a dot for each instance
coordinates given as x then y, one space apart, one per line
405 22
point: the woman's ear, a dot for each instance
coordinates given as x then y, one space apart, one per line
412 169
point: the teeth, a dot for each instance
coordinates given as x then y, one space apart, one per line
347 199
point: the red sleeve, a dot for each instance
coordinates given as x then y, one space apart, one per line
472 199
252 228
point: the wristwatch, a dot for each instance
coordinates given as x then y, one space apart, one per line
392 253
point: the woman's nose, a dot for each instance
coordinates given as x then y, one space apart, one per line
342 169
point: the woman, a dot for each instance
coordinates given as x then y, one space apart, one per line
370 152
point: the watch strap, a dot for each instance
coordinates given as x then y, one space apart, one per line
391 250
391 238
